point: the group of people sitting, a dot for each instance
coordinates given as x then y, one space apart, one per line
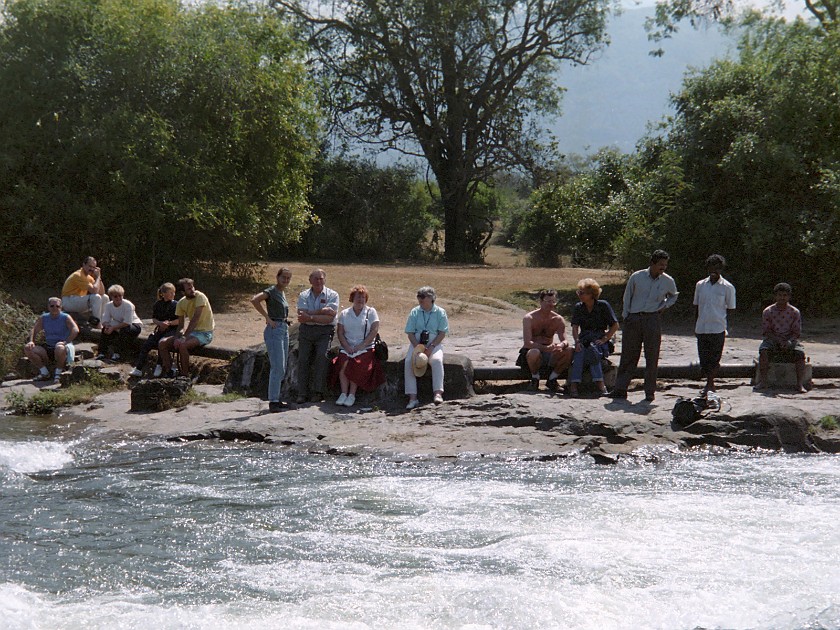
180 326
183 325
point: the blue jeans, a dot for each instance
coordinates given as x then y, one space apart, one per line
277 345
589 356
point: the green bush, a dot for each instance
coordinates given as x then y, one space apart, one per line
365 212
47 401
16 321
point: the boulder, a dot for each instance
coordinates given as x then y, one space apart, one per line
158 394
457 379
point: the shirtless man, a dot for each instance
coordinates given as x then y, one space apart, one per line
538 330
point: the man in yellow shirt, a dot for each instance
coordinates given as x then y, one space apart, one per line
195 307
84 291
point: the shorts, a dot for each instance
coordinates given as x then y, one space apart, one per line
710 350
783 354
522 360
69 347
204 337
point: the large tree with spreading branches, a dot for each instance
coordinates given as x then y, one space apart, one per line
459 83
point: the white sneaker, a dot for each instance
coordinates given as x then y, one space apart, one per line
438 399
351 398
341 399
135 372
158 371
413 404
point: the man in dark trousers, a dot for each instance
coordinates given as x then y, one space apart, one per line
317 308
649 292
714 297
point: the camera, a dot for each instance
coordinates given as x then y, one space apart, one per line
424 337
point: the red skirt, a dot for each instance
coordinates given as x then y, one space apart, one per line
364 370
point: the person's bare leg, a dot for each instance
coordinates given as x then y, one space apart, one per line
800 375
763 367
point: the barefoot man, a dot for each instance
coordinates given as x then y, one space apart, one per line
539 328
781 326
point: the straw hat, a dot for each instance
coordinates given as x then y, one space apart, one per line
419 360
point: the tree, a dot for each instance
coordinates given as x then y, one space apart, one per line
669 13
153 136
759 140
365 212
456 82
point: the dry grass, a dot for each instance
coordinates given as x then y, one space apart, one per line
478 299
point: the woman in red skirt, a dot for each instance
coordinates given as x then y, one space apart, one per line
355 366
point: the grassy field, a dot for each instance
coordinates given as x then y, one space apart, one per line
477 298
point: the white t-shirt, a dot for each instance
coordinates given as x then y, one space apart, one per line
124 314
713 300
354 326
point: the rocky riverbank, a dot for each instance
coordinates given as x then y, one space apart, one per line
504 421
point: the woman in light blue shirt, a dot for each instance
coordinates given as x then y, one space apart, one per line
427 325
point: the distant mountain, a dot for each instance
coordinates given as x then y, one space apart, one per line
611 101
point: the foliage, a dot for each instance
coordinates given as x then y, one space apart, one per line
16 321
149 134
749 167
457 82
366 212
759 140
193 396
669 13
829 423
47 401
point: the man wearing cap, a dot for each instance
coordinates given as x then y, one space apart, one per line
59 332
647 294
84 291
426 328
317 308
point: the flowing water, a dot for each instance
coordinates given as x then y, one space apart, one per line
102 532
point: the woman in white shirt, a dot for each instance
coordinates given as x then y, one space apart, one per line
356 366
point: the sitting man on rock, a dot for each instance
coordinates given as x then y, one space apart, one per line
59 332
781 326
195 307
539 349
84 292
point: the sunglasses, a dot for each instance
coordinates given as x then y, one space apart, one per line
55 305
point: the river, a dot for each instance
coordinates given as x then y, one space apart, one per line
98 531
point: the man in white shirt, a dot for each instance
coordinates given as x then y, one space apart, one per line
317 308
649 292
714 297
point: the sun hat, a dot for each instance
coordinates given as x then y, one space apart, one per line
419 360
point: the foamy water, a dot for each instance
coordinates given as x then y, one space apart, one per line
211 535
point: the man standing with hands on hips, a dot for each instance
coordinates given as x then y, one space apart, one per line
649 292
317 308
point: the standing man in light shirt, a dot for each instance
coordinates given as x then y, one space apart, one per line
714 297
317 308
84 292
649 292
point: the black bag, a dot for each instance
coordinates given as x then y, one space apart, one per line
380 348
685 412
